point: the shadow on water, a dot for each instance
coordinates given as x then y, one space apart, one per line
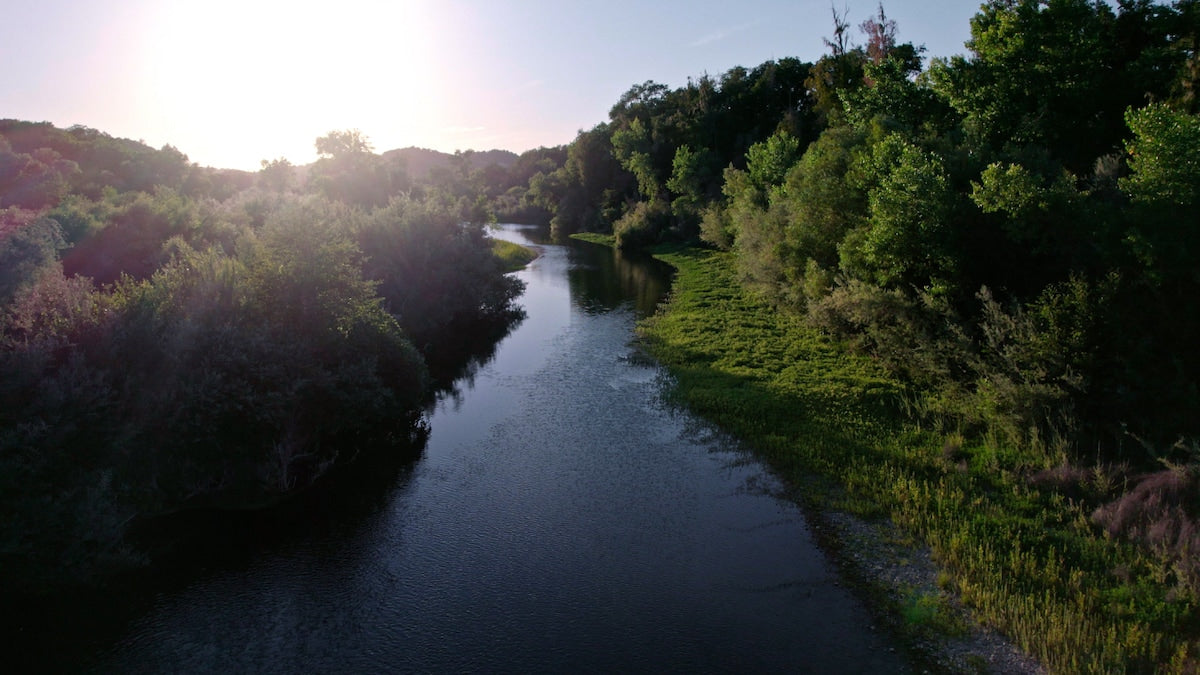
65 631
456 361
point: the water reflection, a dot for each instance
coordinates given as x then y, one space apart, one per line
604 279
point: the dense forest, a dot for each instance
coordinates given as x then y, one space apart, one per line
176 337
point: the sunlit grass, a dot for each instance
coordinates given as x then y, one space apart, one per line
514 256
1029 563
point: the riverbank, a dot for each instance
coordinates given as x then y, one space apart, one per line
1027 563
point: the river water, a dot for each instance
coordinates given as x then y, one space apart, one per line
561 517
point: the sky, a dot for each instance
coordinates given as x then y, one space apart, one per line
233 82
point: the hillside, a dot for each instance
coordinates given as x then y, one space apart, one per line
420 162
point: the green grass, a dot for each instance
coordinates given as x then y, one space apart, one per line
595 238
514 256
1028 563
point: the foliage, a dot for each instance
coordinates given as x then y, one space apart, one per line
25 253
436 275
174 338
349 172
643 224
907 241
1162 156
258 373
277 175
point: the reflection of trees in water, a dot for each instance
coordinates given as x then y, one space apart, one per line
458 358
60 632
603 279
206 538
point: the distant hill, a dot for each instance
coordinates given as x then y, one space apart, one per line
419 162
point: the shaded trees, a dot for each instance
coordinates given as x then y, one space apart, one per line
174 338
349 171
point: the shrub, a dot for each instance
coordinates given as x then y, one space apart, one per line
1162 514
437 276
25 252
644 224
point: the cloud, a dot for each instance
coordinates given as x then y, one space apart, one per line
723 33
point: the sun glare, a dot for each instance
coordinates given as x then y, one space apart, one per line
236 82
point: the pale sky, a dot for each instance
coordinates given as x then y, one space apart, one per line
233 82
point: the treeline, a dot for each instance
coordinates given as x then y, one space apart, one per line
1013 231
175 337
1017 225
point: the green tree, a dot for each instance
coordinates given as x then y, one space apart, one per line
768 162
25 252
633 146
1164 184
344 144
906 241
692 180
823 200
839 71
277 175
1163 156
1051 73
349 171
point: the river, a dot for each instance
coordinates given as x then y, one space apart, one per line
561 517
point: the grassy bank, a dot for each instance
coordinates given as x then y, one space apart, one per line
514 256
1028 562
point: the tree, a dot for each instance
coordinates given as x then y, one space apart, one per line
1047 73
1164 184
633 146
349 171
1164 156
692 175
768 162
841 69
881 36
823 201
343 144
906 242
277 174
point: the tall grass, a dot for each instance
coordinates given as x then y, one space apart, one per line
1029 561
513 256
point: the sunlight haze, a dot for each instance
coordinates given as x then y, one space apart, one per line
232 83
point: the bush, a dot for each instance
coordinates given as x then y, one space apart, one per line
1162 514
644 224
25 252
217 382
437 276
